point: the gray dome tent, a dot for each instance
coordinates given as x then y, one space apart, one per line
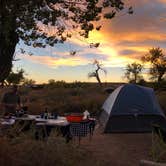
131 108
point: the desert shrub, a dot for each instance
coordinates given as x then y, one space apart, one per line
76 91
162 100
76 84
56 84
24 90
60 84
142 82
160 85
63 100
85 102
158 149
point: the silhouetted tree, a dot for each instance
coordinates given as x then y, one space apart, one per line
56 84
51 82
133 72
28 21
27 81
158 63
95 74
15 77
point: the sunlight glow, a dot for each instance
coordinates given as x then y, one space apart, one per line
123 40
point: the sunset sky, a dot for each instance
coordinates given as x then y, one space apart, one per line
123 40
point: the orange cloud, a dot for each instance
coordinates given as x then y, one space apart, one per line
162 1
56 62
122 40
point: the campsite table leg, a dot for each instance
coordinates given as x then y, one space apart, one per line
65 130
44 130
23 125
62 130
41 131
92 127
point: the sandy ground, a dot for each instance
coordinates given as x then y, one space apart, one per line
118 149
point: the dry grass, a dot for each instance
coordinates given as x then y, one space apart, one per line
27 152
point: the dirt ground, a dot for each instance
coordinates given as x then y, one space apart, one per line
118 149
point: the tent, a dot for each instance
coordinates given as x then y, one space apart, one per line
131 108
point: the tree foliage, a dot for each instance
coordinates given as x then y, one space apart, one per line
30 18
15 77
157 59
133 72
95 74
29 21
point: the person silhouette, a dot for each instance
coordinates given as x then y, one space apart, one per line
11 100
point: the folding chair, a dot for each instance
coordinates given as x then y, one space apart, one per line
80 129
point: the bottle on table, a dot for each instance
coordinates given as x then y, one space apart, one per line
46 113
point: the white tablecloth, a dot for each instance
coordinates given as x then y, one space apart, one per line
7 121
61 121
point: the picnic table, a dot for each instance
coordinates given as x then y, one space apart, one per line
43 127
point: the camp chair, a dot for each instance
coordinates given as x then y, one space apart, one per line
81 129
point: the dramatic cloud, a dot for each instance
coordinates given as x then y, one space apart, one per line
122 40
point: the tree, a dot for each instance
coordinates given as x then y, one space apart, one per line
96 72
51 82
15 77
28 20
27 81
158 63
56 84
133 72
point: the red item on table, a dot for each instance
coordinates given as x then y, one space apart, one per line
74 118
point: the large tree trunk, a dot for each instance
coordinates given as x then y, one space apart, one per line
7 50
8 40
